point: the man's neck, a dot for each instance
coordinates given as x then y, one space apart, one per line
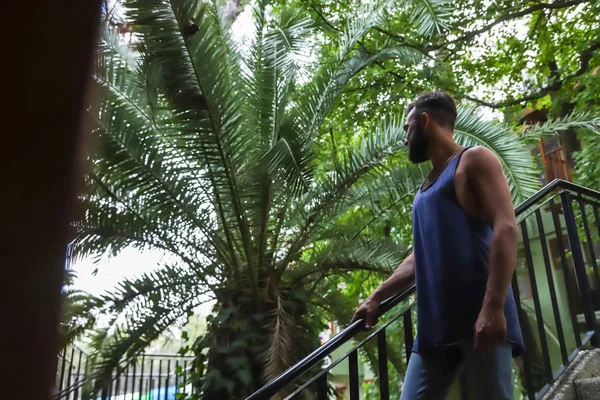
444 148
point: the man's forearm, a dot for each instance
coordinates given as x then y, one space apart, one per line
503 256
400 280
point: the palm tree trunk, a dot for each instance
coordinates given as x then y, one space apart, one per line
240 337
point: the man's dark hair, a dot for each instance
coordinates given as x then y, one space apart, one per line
439 105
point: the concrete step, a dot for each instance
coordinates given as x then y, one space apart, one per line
588 388
586 366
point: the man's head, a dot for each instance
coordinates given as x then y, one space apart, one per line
430 115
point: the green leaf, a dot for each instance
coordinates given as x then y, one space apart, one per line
431 16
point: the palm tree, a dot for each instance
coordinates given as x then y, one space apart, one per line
207 150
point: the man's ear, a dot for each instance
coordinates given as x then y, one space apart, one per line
425 120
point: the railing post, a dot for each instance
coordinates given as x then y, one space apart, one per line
322 388
564 266
526 360
167 380
159 382
384 390
142 377
590 243
133 377
408 334
176 376
62 370
579 265
151 377
353 375
77 379
552 289
536 303
126 383
117 383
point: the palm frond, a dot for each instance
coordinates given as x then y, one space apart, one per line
144 321
369 156
391 192
199 71
283 331
141 309
369 15
273 62
77 316
339 256
431 17
473 130
144 157
134 87
387 195
323 90
291 158
319 97
163 282
135 162
588 121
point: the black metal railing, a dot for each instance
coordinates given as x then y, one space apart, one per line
557 309
149 377
71 371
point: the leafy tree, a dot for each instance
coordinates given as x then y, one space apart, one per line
513 55
222 156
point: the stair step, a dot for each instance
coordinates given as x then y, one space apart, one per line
574 383
588 388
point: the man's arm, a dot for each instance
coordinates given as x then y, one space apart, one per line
486 179
400 280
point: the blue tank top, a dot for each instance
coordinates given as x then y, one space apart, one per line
451 253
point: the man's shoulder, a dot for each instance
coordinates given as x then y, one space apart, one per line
478 159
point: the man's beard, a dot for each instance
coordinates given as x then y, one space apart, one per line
418 147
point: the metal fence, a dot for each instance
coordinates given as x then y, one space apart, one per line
558 312
149 377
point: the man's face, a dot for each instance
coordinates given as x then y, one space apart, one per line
416 138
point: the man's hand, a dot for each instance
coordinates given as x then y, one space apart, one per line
490 328
368 311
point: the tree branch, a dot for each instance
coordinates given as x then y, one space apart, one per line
584 63
584 59
506 103
507 17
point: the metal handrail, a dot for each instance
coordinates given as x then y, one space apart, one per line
298 369
549 188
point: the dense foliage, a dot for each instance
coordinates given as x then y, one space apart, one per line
271 172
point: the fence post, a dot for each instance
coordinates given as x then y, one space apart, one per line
579 265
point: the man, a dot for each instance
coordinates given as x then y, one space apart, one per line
463 259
